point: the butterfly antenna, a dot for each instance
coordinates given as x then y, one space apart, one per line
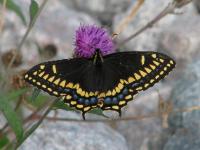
98 56
95 59
101 57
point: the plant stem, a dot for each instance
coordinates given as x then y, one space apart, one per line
122 25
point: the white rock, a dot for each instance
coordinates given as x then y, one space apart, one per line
138 132
150 39
74 136
102 9
180 39
56 24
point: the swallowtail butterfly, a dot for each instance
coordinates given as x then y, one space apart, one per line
106 81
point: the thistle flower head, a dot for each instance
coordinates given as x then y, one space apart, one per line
89 38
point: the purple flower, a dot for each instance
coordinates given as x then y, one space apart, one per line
89 38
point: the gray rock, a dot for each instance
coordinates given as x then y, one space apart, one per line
102 9
56 25
180 39
11 33
183 140
173 34
139 132
158 141
184 127
197 4
147 12
62 31
186 94
74 136
2 121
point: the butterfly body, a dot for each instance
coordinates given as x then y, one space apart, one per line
101 81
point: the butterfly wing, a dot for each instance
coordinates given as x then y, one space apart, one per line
62 79
133 72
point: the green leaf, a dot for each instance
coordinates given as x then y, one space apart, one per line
11 116
39 101
98 111
35 94
36 125
61 105
3 141
33 10
1 77
14 94
28 133
14 7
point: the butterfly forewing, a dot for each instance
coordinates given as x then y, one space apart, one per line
109 85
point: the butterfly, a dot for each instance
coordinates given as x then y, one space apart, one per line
107 82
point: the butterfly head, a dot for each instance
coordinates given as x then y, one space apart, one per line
90 38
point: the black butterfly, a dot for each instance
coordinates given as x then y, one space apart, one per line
107 82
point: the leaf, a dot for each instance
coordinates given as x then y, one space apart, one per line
14 94
12 118
28 133
3 141
33 10
61 105
35 94
1 77
39 101
98 111
36 125
14 7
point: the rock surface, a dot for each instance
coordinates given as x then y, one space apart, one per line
60 27
180 40
103 10
184 97
184 127
197 4
147 12
56 25
173 35
139 132
2 121
74 136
